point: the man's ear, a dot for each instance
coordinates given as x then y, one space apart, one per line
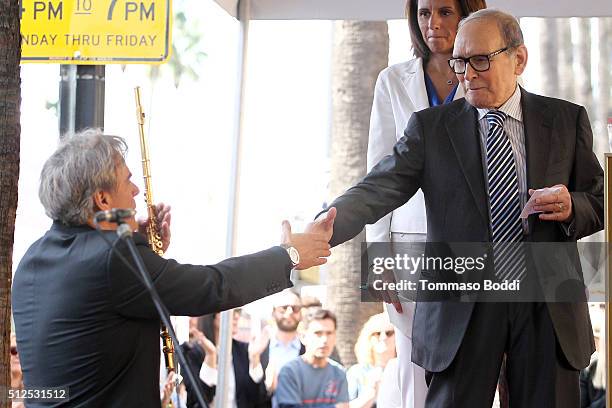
102 200
521 59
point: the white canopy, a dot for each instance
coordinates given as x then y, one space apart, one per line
394 9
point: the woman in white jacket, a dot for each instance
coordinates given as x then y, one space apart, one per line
402 89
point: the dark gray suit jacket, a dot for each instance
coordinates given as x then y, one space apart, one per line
84 321
441 154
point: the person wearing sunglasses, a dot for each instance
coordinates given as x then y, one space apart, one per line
374 348
401 90
271 349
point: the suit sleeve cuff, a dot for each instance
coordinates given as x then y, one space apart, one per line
208 375
568 228
256 373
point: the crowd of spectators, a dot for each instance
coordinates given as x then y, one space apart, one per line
291 361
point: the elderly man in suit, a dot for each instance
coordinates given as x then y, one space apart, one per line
477 160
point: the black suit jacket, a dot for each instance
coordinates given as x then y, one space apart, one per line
441 154
84 321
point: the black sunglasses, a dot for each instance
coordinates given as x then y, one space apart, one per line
388 333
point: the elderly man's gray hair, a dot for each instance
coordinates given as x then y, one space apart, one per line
82 164
509 27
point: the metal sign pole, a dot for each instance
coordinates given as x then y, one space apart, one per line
608 281
225 329
81 97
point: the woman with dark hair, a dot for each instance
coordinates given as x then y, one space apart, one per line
402 89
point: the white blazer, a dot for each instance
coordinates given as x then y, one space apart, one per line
400 91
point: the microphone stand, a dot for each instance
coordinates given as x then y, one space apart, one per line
124 233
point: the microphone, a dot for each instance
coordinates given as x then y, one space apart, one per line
116 215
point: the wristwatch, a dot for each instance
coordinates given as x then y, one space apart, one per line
293 253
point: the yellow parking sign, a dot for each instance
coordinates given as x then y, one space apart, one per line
95 31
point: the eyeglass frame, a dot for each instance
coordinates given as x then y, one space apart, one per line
467 61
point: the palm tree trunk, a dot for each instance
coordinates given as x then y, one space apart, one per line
361 51
564 32
549 60
10 95
604 102
582 67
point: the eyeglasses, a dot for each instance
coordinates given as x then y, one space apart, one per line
294 308
388 333
480 63
13 351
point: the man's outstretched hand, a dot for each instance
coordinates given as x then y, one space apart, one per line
313 247
324 224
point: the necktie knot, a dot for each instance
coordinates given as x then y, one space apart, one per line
496 118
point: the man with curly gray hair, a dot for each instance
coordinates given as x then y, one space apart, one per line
82 166
84 321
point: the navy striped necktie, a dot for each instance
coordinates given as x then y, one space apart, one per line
504 200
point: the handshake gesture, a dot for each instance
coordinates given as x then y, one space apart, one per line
313 244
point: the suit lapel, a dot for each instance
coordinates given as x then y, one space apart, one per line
463 134
414 82
537 120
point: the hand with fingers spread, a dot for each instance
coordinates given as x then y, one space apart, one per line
260 342
313 247
555 206
169 386
210 350
258 345
163 215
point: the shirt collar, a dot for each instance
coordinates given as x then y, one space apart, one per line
295 343
59 226
512 107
